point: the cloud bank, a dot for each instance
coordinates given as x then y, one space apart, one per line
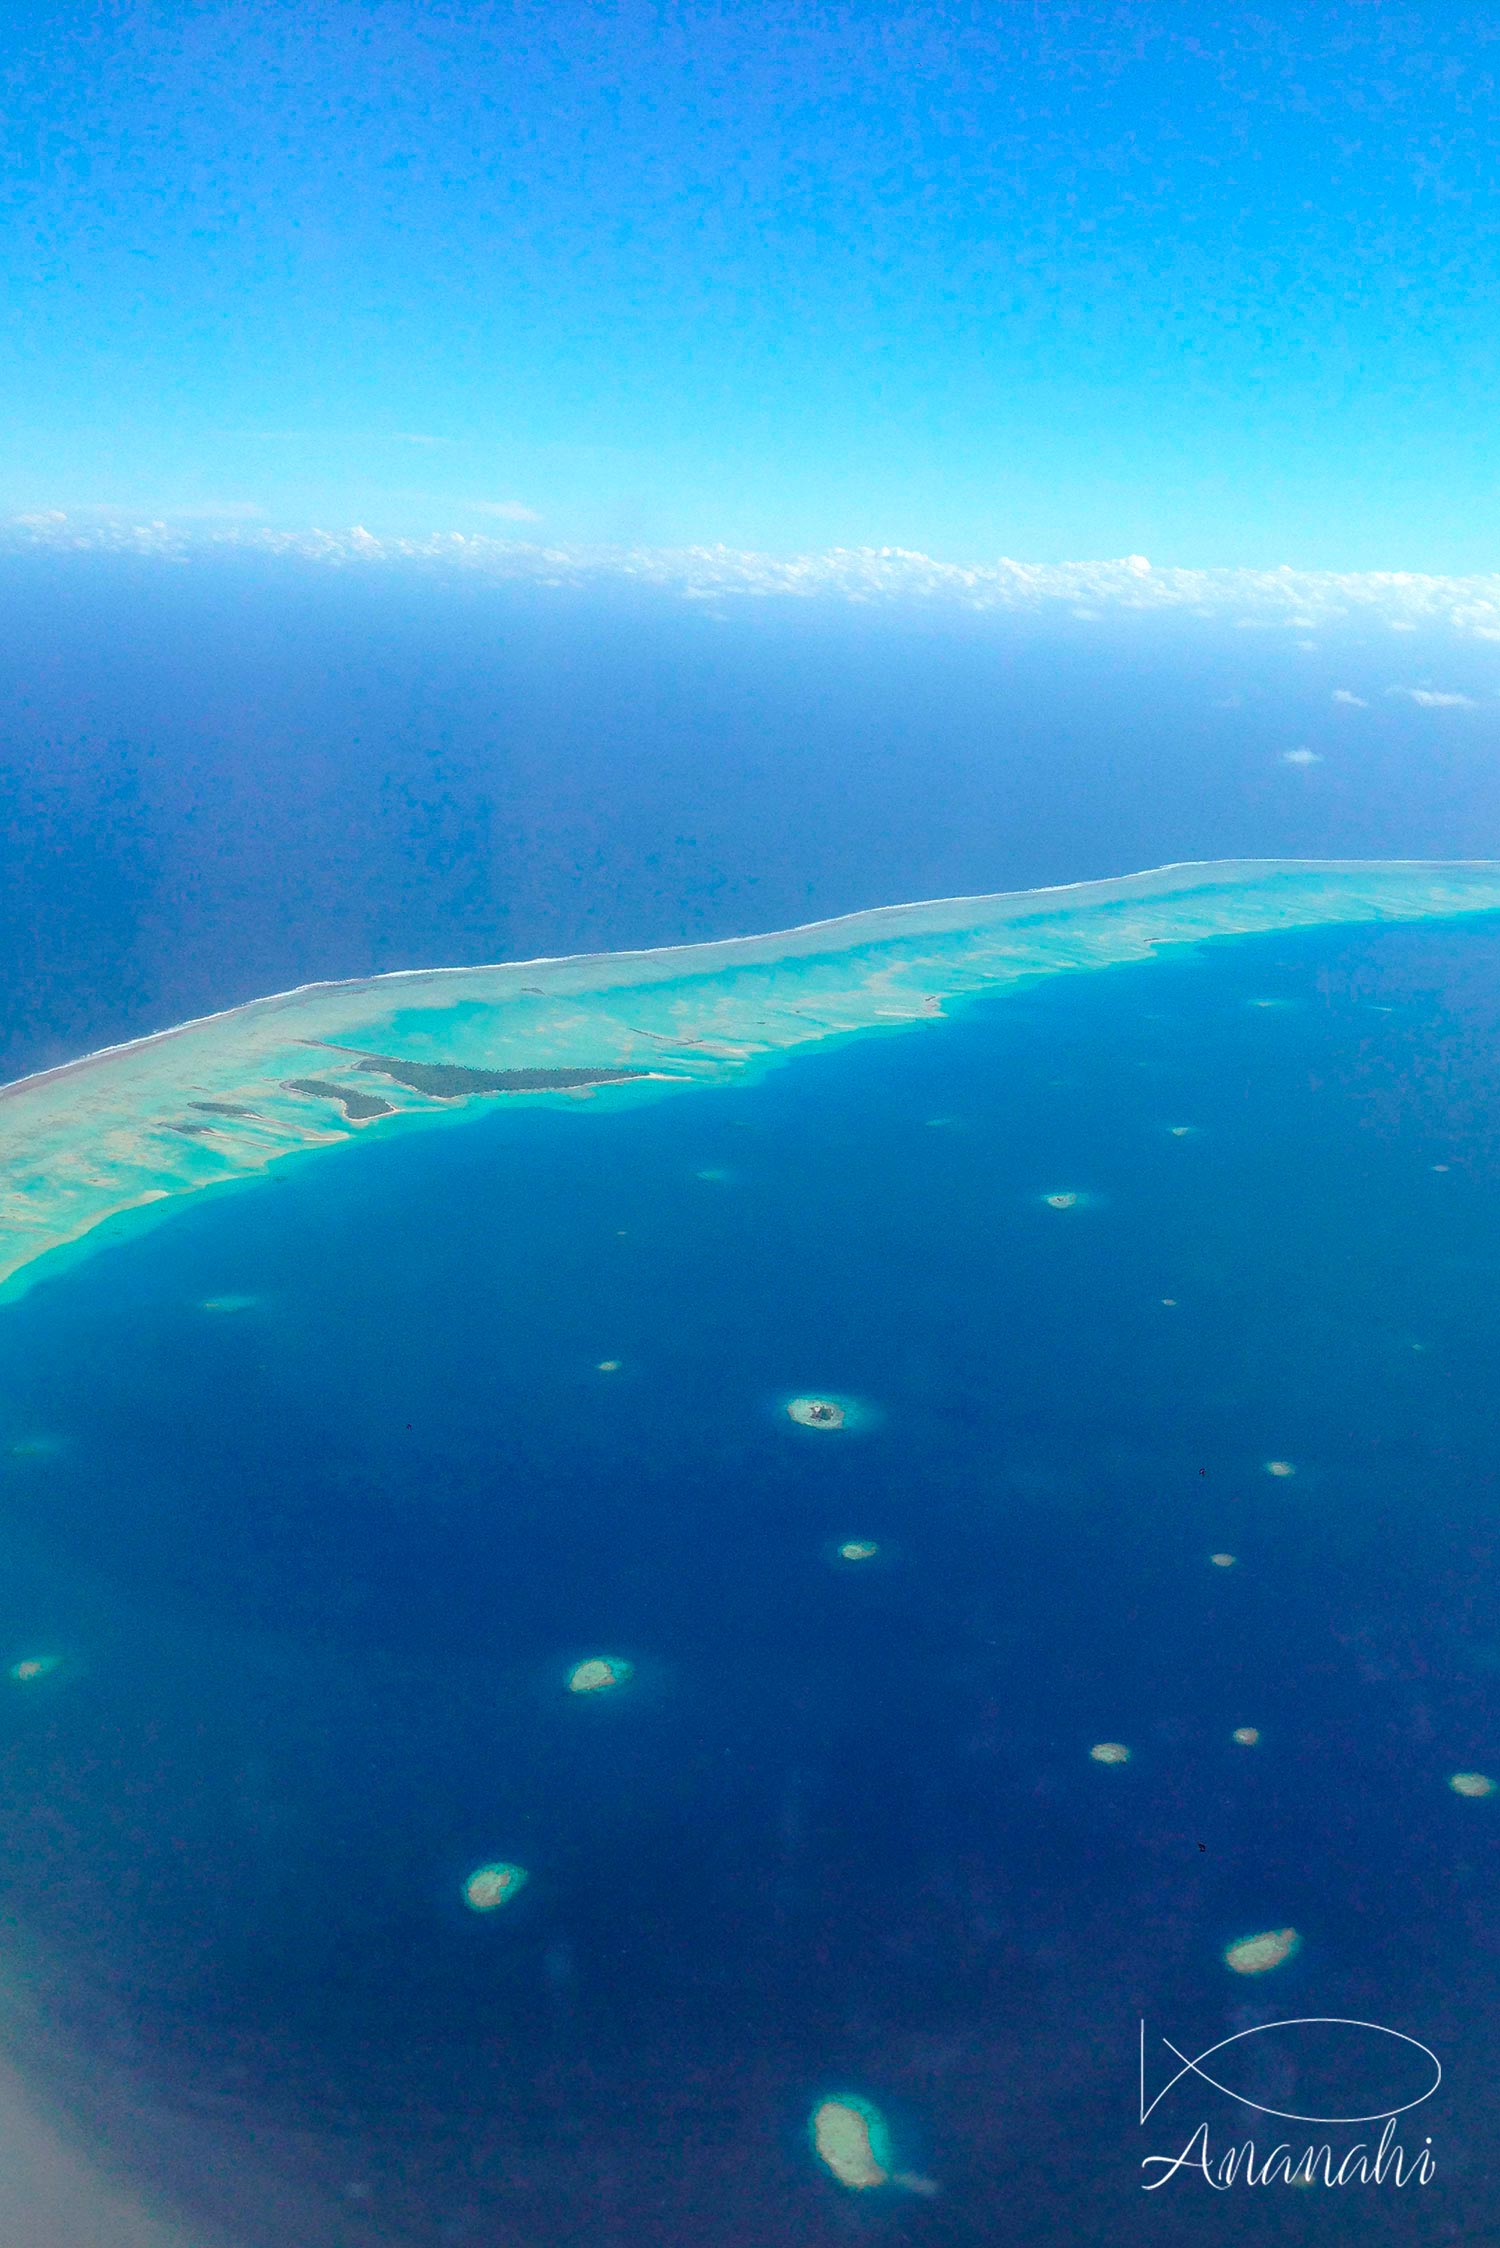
1294 600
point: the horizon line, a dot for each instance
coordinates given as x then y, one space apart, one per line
1285 596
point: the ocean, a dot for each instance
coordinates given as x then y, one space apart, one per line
230 777
1159 1304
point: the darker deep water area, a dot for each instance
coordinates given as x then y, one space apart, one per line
222 780
316 1563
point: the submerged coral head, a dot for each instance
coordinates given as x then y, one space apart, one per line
817 1412
31 1667
598 1674
850 2138
1257 1955
491 1886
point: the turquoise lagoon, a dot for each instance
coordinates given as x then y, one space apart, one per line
1160 1306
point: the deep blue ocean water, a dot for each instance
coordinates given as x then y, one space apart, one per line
223 779
316 1569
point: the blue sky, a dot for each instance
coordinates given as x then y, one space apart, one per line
1216 285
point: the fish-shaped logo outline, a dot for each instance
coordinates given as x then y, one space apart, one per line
1287 2115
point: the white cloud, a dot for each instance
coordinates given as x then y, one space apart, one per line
1270 600
1300 757
509 511
1355 702
1432 698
